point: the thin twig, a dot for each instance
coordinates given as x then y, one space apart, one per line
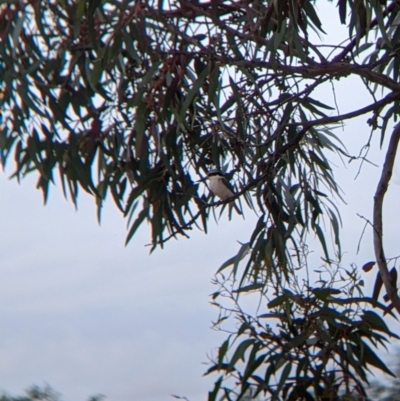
363 231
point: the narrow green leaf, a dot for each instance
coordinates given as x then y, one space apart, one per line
213 394
298 340
277 301
139 220
229 262
377 287
342 4
375 321
140 127
371 358
223 350
312 14
18 28
192 92
243 251
316 159
284 376
321 238
249 288
239 352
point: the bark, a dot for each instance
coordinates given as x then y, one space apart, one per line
381 189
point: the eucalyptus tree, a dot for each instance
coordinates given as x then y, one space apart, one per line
140 99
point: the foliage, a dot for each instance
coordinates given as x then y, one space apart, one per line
37 393
313 341
141 98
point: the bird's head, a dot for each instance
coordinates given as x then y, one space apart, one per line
215 175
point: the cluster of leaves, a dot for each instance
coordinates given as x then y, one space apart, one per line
140 99
35 393
315 342
152 96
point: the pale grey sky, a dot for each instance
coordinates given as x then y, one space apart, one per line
87 315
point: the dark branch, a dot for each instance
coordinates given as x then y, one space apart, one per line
378 224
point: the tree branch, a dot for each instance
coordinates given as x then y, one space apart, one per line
391 97
378 225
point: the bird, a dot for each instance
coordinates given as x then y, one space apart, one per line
220 187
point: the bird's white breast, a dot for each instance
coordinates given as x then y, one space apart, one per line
219 188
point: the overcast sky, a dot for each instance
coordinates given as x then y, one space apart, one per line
83 313
87 315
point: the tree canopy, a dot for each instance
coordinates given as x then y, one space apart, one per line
138 100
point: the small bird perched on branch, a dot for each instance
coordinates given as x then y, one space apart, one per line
220 186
